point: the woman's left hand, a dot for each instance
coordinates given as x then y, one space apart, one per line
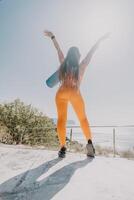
48 33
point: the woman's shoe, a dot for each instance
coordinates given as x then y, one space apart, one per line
62 152
90 149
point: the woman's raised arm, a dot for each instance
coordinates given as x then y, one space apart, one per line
59 51
89 55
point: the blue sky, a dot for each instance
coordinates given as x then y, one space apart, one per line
28 58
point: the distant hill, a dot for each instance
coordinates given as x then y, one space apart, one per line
69 122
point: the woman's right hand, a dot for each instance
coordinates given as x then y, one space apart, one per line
48 33
105 36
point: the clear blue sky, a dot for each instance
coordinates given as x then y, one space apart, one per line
28 58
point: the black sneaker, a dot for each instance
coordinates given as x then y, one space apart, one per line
90 149
62 152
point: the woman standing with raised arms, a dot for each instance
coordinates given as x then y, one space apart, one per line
70 76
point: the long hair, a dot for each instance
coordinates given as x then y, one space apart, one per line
69 69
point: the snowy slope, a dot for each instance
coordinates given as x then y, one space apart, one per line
32 174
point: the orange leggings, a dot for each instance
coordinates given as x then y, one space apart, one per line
63 96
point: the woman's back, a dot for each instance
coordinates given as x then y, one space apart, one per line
70 82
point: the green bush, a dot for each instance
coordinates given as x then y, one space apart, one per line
26 125
5 136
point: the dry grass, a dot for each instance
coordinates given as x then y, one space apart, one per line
127 154
105 151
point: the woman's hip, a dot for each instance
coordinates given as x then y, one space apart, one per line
67 92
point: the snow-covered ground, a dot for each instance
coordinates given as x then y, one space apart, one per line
37 174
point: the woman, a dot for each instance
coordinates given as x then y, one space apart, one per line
70 75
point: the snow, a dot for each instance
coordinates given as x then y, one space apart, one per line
38 174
